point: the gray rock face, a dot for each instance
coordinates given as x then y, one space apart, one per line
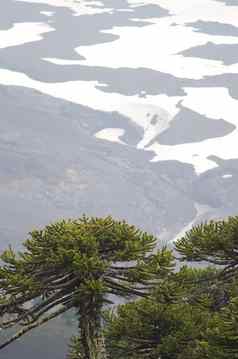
230 2
16 12
64 171
218 186
228 54
229 81
214 28
189 126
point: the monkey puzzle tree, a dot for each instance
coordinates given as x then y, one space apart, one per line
77 264
180 320
215 242
224 334
162 326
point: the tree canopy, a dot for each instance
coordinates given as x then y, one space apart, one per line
215 242
193 313
78 264
170 312
183 319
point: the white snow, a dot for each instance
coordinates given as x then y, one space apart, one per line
47 13
136 108
22 33
127 51
110 134
227 176
153 118
206 10
157 48
196 153
62 61
79 7
170 40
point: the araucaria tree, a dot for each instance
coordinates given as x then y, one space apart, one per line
178 321
78 264
193 313
215 242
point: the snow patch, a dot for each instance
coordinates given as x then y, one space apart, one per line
165 57
197 153
153 114
22 33
78 7
110 134
47 13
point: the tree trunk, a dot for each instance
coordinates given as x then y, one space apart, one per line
92 341
90 327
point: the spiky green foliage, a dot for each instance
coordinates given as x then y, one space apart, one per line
77 264
179 321
224 334
215 242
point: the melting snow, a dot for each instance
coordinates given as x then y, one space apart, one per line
227 176
22 33
152 113
111 134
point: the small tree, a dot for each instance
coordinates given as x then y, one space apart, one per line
78 264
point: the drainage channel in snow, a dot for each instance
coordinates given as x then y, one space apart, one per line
201 211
